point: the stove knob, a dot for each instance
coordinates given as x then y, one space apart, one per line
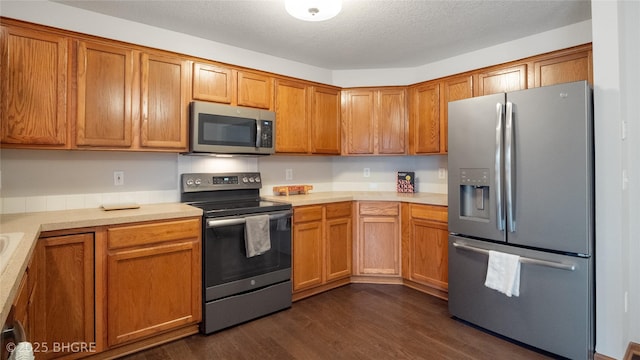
189 182
258 179
245 180
198 182
251 179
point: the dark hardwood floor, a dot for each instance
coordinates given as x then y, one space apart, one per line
357 321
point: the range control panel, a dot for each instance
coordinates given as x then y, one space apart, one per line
220 181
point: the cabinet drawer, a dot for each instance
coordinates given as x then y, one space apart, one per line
307 213
429 212
379 208
151 233
337 210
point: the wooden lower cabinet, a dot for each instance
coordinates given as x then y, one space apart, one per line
424 248
322 243
153 281
378 239
64 305
105 291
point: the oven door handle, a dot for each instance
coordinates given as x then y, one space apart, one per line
212 223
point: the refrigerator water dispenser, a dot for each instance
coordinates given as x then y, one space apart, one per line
474 194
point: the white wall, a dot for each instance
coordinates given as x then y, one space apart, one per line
336 173
616 37
560 38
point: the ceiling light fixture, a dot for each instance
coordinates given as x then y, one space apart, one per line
313 10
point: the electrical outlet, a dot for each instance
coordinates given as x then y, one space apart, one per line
288 174
118 178
442 173
366 172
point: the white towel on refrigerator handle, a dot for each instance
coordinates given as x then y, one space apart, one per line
503 273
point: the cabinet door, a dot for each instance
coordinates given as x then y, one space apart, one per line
424 126
212 83
379 238
325 121
64 307
307 255
379 245
360 121
453 89
429 254
254 90
164 102
391 117
501 80
338 248
105 75
566 66
34 88
151 290
153 278
292 114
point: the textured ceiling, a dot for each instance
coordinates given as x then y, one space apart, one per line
367 34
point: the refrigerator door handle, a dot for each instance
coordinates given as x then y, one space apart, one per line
498 167
523 260
508 168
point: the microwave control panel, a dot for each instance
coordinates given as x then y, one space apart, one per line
266 141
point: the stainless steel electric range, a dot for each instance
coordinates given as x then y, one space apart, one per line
239 286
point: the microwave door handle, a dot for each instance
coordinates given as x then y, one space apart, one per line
258 133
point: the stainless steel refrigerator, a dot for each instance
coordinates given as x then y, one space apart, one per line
521 182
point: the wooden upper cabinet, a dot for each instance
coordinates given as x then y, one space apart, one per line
569 65
358 116
391 119
34 88
254 90
424 118
212 83
292 117
325 120
164 102
375 121
454 88
502 79
105 81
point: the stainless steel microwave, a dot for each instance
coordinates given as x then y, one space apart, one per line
226 129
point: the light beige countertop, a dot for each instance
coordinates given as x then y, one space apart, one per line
336 196
32 224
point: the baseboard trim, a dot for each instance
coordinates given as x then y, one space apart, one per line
633 352
597 356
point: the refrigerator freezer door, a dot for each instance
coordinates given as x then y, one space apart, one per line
474 179
553 312
552 180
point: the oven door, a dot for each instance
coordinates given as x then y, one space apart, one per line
226 268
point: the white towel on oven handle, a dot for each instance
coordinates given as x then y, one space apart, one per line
503 273
257 239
